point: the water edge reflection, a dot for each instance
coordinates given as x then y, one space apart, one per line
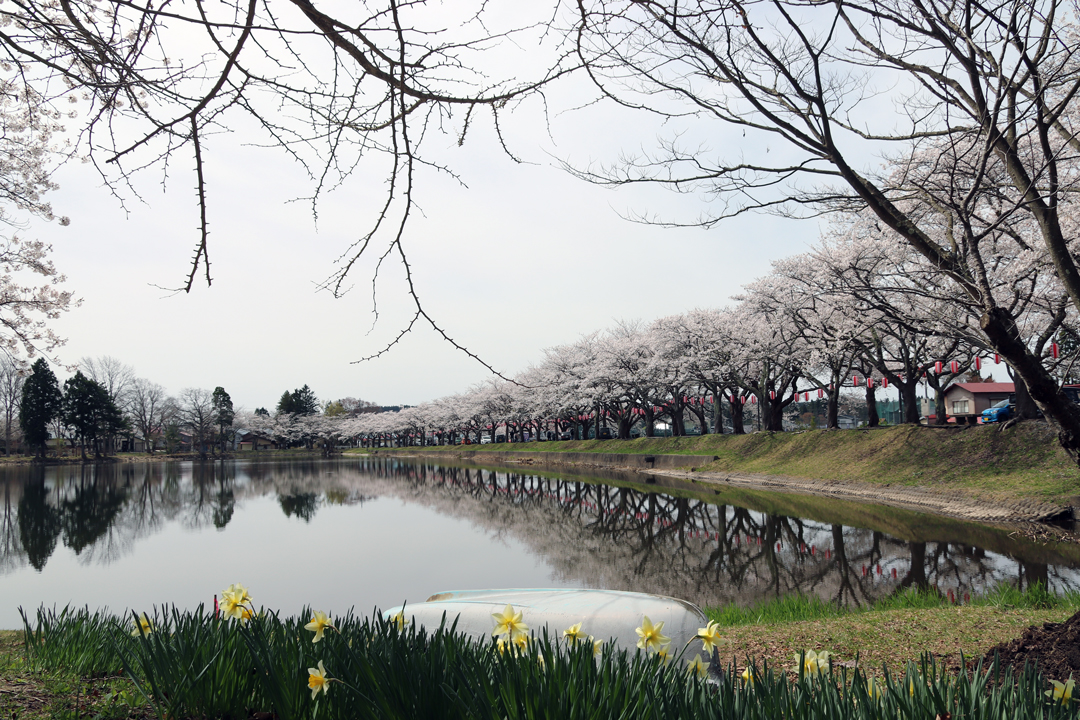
705 548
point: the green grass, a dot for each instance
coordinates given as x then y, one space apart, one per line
802 608
1021 462
197 666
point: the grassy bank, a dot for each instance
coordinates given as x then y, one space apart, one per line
194 666
893 630
1020 462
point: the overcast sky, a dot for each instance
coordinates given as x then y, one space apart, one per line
524 258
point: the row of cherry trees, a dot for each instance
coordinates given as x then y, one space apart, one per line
858 309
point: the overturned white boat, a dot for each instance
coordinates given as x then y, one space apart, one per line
609 615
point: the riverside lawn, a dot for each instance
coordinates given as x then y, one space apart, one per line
192 664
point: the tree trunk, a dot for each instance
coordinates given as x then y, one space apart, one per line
1025 406
1001 330
737 415
872 418
774 414
909 399
699 413
939 406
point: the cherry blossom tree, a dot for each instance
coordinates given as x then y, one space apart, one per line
983 139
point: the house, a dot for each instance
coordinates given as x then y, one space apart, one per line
969 399
249 440
973 398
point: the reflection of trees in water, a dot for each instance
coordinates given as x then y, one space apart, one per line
212 498
87 514
590 534
39 523
621 538
299 504
12 554
100 511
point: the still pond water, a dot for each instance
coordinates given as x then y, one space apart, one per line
374 532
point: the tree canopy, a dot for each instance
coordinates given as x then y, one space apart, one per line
41 403
89 410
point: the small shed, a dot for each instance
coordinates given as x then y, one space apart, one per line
972 398
249 440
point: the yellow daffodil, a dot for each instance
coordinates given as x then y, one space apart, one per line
709 636
911 688
509 623
231 607
1061 692
664 654
596 645
240 592
319 624
143 626
317 680
521 642
650 636
502 644
399 620
873 689
748 676
814 662
697 667
573 633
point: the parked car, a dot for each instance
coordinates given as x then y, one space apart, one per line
566 436
606 434
1000 412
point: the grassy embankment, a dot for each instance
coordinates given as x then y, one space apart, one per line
1021 462
892 633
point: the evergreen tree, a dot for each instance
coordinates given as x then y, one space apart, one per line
40 404
89 410
304 401
223 414
285 404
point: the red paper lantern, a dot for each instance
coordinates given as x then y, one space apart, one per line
854 381
820 392
870 383
884 382
743 399
1054 350
772 394
937 368
997 359
978 363
806 397
954 367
